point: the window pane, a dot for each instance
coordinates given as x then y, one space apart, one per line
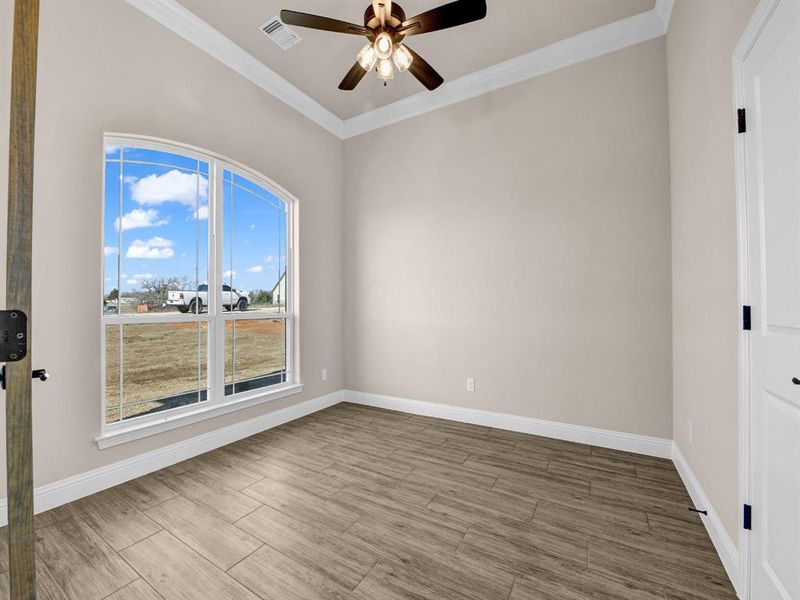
112 152
279 292
229 357
164 233
163 367
111 204
134 154
254 255
112 373
255 354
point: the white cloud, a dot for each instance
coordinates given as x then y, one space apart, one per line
255 269
252 225
156 247
109 250
229 274
201 213
111 148
139 217
172 186
137 278
271 258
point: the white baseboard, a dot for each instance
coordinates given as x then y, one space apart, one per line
66 490
728 553
630 442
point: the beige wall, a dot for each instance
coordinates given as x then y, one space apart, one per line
529 249
104 66
700 43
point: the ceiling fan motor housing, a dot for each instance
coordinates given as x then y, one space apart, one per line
373 23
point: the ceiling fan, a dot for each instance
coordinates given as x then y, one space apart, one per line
385 26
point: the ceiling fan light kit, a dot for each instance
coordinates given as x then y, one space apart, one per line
386 26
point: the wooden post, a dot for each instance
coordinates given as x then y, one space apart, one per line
19 439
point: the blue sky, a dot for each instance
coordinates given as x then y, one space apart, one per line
163 231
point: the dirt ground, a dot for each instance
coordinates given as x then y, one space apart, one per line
163 360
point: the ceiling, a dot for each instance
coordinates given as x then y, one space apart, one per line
321 59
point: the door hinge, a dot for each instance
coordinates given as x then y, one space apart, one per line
747 517
742 120
746 323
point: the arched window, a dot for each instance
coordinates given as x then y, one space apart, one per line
197 283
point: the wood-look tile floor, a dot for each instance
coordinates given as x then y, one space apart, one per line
366 504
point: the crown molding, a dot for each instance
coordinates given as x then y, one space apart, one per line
663 9
564 53
755 26
175 17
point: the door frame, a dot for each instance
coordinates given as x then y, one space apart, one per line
747 41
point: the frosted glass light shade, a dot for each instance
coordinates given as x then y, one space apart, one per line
367 57
383 45
385 70
402 58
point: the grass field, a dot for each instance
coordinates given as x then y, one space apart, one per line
166 360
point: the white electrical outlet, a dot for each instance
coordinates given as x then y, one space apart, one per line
691 433
470 384
324 374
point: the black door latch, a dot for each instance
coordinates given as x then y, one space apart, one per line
13 335
40 374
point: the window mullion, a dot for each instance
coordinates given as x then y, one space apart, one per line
217 350
119 280
289 337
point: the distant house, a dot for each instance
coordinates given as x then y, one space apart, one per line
279 291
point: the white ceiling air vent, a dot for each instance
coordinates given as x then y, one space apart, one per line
280 33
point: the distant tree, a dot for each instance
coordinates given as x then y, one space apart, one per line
113 295
154 292
260 297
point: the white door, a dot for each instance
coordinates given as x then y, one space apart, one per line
771 80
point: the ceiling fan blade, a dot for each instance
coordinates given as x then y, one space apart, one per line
354 75
453 14
426 74
291 17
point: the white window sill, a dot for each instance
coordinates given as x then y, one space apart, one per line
123 433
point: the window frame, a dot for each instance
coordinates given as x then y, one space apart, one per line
215 317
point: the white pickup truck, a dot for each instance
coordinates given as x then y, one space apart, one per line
189 301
